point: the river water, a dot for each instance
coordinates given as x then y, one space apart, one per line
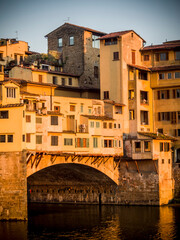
57 221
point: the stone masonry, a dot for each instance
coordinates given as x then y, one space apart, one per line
13 186
79 58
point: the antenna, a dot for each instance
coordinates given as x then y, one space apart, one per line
16 32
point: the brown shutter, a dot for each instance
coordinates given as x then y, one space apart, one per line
174 93
157 57
159 116
167 94
158 94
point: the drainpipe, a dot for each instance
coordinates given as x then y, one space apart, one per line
51 100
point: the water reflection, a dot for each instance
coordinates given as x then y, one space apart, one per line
54 221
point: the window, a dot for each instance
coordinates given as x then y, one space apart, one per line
28 118
147 146
176 93
57 109
38 139
95 42
143 75
23 137
144 97
161 76
163 94
169 161
114 125
95 142
173 117
169 75
4 114
160 130
71 40
106 94
131 115
68 141
118 109
54 120
162 161
131 94
110 125
177 55
161 145
82 142
177 74
89 110
40 78
112 41
55 80
146 57
11 92
97 124
1 56
96 72
104 124
60 42
38 120
133 53
2 138
72 108
70 81
92 124
119 143
166 147
177 132
54 140
28 137
63 81
137 146
163 116
82 108
119 125
163 56
10 138
108 143
144 117
115 55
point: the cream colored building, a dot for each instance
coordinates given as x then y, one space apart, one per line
13 50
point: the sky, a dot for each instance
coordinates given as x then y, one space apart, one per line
30 20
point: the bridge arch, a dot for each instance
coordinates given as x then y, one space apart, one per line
104 164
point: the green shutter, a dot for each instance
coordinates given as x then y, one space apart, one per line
87 142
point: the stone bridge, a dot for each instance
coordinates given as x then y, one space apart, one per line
108 165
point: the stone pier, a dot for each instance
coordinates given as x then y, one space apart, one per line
13 186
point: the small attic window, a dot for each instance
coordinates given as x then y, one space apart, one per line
132 35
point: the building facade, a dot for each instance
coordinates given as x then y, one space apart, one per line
78 51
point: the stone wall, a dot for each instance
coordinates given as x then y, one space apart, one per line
176 176
13 186
138 188
78 59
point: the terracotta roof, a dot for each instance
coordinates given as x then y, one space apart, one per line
158 136
165 68
28 93
139 67
12 105
83 28
7 80
46 71
119 34
104 118
168 45
24 82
